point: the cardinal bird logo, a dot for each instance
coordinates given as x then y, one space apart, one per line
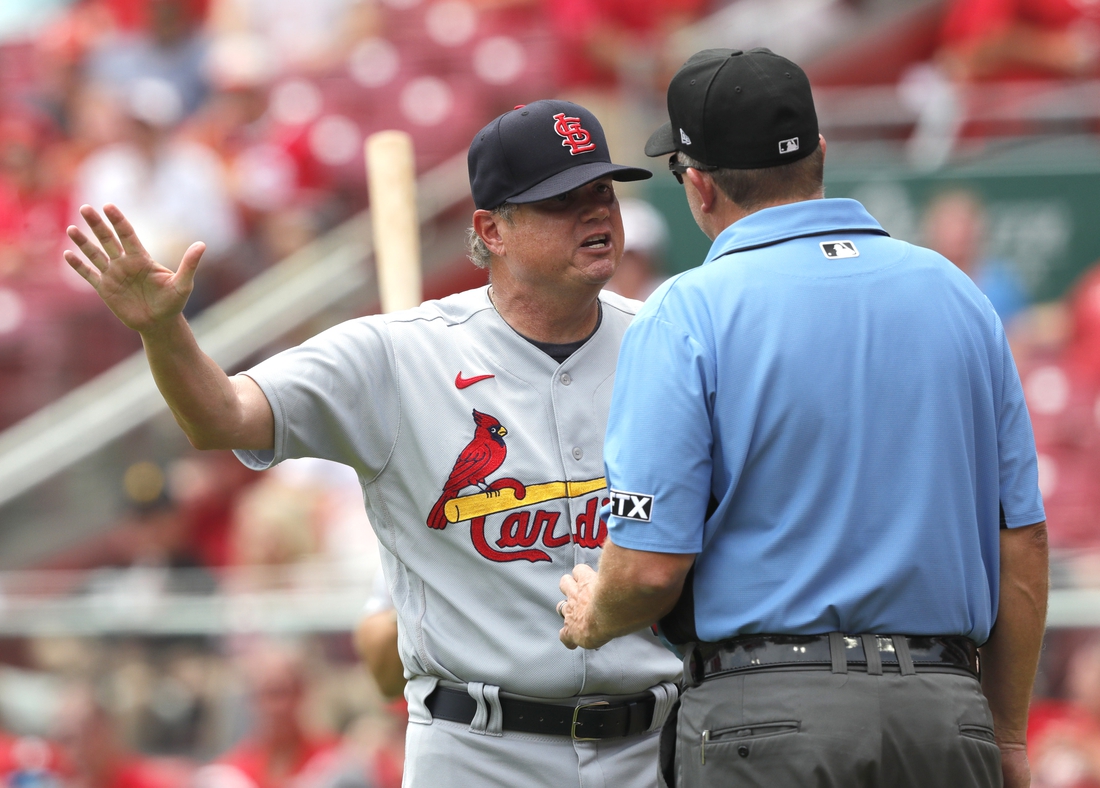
482 456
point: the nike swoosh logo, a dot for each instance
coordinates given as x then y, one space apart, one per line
461 382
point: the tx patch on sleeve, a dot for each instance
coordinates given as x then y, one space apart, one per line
632 506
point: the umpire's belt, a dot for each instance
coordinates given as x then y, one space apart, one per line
607 718
837 652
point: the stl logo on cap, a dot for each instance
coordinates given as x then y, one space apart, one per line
573 135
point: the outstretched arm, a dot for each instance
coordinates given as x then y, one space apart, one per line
214 410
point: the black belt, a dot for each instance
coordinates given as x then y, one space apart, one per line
608 718
889 653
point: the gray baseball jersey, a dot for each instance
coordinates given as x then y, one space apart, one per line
481 461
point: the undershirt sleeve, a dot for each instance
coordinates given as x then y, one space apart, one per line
659 441
333 397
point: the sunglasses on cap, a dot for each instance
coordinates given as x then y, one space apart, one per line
678 169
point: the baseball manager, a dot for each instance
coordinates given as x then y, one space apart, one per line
476 426
819 435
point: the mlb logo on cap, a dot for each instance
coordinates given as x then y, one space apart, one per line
788 146
836 250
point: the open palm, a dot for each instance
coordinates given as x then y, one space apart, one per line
141 292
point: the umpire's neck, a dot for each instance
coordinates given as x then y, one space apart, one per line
714 211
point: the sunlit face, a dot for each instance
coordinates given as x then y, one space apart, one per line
575 238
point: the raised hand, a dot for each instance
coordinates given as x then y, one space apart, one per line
142 293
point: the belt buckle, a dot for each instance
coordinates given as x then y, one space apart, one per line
576 711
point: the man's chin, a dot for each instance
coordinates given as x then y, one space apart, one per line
600 270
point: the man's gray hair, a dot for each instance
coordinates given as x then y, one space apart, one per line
476 249
755 189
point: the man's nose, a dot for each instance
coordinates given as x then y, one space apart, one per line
595 207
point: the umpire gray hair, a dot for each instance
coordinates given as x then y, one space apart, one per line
476 249
752 190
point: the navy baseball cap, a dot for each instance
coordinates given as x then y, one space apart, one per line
538 151
738 110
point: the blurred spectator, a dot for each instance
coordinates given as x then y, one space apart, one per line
646 240
308 35
1062 385
98 758
170 50
156 536
610 43
206 487
279 751
31 762
1064 735
306 510
615 57
955 225
276 524
176 189
1010 39
34 207
379 740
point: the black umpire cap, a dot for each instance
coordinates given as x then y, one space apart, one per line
738 110
538 151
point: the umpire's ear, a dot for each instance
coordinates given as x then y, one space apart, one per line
488 226
705 190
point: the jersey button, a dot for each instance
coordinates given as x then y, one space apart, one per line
565 379
578 452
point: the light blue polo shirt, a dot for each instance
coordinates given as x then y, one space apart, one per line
848 407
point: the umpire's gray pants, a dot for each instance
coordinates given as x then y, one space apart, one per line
849 730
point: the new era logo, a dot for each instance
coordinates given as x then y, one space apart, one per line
788 146
835 250
684 138
632 506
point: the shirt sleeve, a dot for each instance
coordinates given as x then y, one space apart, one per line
1021 501
333 397
658 446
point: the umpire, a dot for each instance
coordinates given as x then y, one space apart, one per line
818 436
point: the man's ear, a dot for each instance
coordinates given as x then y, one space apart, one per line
488 227
704 186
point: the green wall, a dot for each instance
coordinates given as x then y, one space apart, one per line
1043 201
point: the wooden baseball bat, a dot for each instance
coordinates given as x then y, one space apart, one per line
391 183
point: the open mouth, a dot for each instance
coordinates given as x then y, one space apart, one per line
597 242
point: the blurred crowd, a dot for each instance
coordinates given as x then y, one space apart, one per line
252 714
241 123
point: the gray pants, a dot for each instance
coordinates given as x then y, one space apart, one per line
816 728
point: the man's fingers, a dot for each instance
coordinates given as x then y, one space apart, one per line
582 572
566 639
567 585
81 266
185 274
126 233
102 231
87 246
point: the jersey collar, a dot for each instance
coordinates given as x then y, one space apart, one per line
794 220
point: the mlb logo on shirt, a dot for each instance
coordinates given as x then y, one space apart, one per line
836 250
632 506
788 146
